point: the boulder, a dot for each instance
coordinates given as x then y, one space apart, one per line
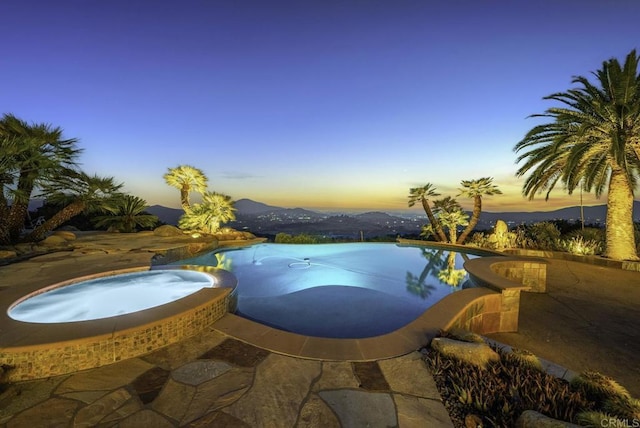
7 254
167 230
24 248
465 335
533 419
65 234
478 354
472 421
500 237
501 228
53 241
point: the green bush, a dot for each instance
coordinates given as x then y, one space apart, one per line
501 392
498 394
545 235
578 245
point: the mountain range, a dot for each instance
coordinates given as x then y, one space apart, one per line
268 219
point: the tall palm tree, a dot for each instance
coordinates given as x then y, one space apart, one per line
476 189
126 213
41 153
207 216
188 179
423 194
592 143
76 192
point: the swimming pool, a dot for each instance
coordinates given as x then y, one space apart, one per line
353 290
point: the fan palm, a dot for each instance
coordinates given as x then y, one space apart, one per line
188 179
34 154
207 216
126 213
451 219
476 189
76 192
423 194
592 143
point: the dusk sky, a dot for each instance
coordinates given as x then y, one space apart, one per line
321 104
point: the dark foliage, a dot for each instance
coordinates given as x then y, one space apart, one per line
499 394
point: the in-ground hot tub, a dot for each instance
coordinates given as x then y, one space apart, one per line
37 349
109 296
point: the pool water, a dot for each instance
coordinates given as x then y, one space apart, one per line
353 290
109 296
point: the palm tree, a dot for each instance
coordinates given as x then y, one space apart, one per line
76 192
592 143
35 153
207 217
188 179
9 148
451 220
126 213
476 189
423 194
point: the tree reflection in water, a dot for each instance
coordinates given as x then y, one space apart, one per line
450 275
438 266
223 262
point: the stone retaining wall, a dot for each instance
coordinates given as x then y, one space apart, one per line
592 260
499 313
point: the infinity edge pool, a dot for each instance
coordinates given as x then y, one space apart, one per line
42 350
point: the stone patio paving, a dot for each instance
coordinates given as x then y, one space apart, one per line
213 380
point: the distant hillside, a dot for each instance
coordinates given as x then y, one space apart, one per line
166 214
344 226
247 206
256 216
593 214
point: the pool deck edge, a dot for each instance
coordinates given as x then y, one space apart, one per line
413 336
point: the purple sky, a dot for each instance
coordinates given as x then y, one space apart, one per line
320 104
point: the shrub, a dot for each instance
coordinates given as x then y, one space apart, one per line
545 235
515 239
578 245
503 391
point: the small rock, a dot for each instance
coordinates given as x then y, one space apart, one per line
478 354
167 230
7 254
53 241
533 419
465 335
472 421
24 248
65 234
